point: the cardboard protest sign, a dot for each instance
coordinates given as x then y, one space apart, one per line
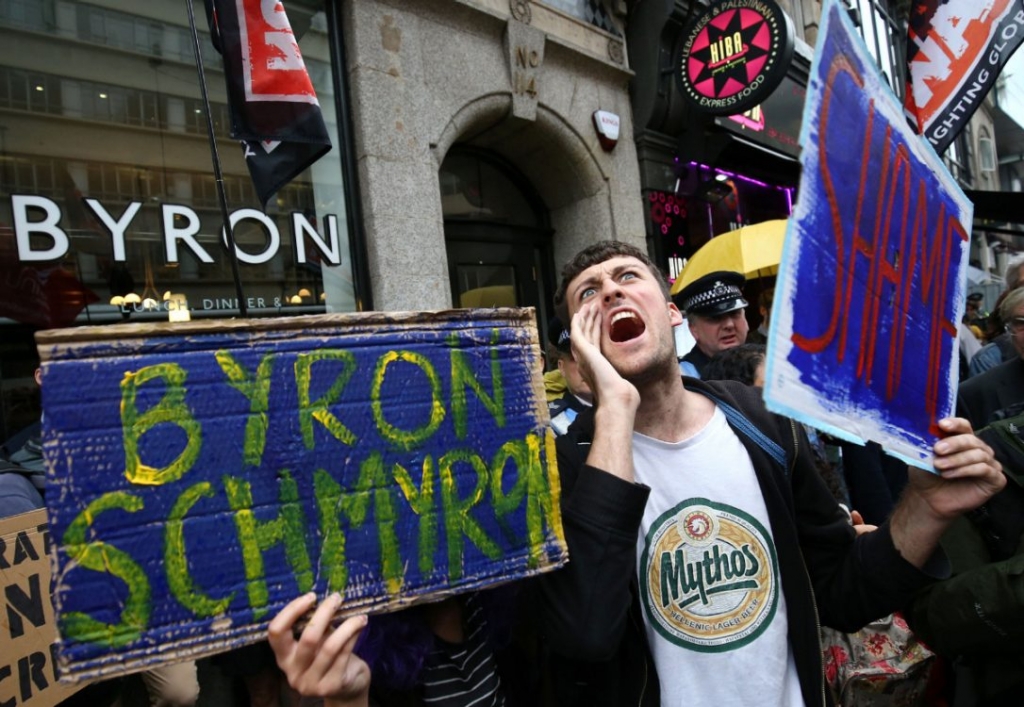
871 284
28 634
203 475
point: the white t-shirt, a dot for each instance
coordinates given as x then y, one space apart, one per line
713 607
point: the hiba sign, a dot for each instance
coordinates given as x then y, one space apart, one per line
28 633
733 55
202 475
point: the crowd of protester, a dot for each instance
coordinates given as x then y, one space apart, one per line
847 534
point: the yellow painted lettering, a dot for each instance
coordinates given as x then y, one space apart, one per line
179 581
103 557
257 392
421 500
462 378
457 518
333 502
544 493
319 409
519 452
170 410
406 440
256 537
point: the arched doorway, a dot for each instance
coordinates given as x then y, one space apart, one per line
497 236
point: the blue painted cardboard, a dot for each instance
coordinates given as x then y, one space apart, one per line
871 284
202 476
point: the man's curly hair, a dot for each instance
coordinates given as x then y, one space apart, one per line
595 254
736 364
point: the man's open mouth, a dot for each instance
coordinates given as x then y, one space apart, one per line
625 326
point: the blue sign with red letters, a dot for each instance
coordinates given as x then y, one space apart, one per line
871 286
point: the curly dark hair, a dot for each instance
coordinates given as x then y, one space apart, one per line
598 253
736 364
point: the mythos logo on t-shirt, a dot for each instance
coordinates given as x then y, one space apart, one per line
708 576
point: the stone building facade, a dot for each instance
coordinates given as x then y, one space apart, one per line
466 165
517 80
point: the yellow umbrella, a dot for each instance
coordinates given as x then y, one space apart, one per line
754 251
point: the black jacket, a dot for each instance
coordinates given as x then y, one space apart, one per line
697 358
996 394
592 617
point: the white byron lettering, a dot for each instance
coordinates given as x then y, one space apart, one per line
273 241
118 227
185 233
49 226
331 249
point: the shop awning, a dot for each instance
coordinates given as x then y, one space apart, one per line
746 157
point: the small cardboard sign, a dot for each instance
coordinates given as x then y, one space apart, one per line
871 286
203 475
28 633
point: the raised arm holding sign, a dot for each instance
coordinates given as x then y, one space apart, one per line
690 511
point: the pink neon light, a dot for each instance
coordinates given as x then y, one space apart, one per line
733 175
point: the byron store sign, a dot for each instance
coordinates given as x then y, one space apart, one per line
40 234
733 55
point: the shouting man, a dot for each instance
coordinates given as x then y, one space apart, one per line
705 549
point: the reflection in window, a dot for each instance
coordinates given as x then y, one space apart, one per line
28 14
486 286
707 203
73 98
959 156
986 151
134 67
103 105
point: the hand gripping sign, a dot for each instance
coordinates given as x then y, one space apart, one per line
871 283
202 475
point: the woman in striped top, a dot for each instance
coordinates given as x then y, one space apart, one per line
434 655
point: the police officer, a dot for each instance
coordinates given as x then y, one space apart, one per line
716 314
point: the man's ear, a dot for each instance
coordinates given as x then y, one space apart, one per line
674 315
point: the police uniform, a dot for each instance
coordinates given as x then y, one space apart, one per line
564 409
709 296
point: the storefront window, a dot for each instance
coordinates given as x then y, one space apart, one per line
706 203
593 12
108 205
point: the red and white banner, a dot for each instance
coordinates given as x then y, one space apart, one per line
271 60
955 51
274 109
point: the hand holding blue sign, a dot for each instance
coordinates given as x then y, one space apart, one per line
968 476
320 662
875 267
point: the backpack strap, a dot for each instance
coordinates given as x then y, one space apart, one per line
754 434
